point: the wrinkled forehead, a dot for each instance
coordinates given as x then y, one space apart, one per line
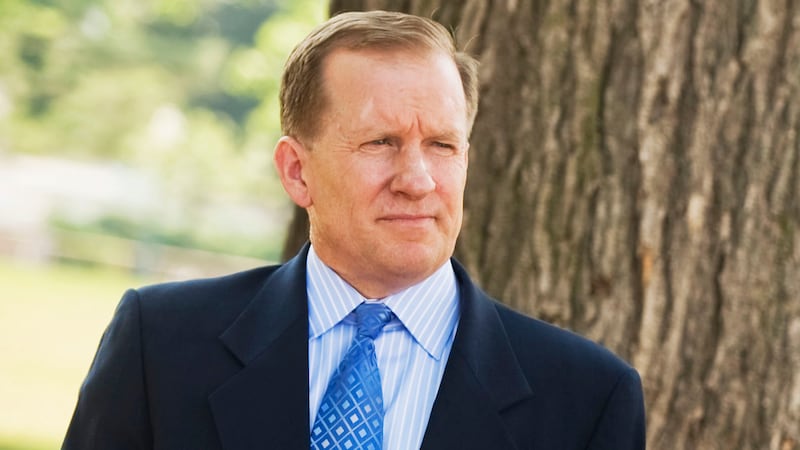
392 78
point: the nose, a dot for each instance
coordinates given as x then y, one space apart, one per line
412 177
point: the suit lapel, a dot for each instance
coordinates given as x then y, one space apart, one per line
481 382
265 405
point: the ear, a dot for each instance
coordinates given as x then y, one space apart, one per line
290 161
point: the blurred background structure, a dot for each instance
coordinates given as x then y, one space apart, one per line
135 146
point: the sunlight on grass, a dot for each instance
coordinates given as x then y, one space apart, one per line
51 319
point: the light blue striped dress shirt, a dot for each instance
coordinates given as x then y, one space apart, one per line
412 350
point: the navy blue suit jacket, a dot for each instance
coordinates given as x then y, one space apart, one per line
223 364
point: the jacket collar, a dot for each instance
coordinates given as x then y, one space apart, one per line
482 381
265 405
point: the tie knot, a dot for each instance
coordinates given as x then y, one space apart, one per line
371 318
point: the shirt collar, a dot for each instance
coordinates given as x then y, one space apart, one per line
428 310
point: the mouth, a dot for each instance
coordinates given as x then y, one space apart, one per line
407 218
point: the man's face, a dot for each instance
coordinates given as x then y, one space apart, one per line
386 173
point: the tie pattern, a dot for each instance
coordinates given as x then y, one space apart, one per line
350 416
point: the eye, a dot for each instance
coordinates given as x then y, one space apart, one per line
444 148
377 145
382 142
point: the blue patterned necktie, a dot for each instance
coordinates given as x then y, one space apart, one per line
351 413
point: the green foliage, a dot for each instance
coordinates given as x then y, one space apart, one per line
92 78
184 90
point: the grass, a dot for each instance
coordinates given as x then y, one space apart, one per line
51 319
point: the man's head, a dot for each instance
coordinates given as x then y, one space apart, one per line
381 165
303 97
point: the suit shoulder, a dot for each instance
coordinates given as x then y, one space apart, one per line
584 395
184 311
245 284
537 342
198 304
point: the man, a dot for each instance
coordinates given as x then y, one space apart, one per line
376 109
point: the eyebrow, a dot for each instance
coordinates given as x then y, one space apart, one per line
373 130
448 136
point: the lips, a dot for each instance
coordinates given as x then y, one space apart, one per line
407 217
408 220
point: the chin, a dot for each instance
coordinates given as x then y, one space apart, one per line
417 260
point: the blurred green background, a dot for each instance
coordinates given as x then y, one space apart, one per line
135 146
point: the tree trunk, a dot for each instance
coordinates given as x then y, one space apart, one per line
634 176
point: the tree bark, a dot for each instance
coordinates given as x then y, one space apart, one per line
634 176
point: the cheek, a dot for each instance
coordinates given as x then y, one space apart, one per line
355 192
365 179
452 182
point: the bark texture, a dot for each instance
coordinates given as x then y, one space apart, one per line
634 176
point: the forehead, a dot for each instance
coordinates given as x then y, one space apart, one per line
375 85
